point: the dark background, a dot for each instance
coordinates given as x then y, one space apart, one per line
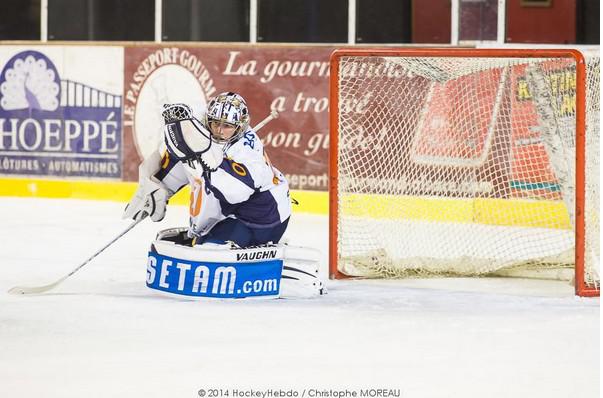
302 21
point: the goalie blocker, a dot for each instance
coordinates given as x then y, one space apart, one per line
220 271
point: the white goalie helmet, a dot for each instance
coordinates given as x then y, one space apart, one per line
229 108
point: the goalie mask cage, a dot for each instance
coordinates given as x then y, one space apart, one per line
464 162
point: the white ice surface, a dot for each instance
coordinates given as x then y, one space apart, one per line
102 333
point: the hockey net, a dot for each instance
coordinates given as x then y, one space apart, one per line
454 162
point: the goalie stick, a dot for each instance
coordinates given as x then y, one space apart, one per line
273 115
45 288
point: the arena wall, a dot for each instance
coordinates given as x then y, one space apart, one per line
76 119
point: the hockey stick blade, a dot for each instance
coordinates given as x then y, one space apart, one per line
22 290
35 289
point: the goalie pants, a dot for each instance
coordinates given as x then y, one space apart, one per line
243 235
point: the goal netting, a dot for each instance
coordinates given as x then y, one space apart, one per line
465 163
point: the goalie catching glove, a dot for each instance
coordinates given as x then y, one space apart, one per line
188 141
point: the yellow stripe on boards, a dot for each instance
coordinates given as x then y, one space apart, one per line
75 189
504 212
309 201
407 207
521 212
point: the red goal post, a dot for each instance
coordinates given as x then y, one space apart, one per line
362 79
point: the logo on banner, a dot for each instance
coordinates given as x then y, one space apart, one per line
218 280
165 76
56 126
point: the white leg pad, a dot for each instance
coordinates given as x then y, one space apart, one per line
178 269
300 277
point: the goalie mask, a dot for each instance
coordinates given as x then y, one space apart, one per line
185 137
227 117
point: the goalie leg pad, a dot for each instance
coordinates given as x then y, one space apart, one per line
223 271
300 277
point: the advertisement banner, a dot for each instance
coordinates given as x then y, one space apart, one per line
211 279
475 135
60 111
95 112
291 80
531 169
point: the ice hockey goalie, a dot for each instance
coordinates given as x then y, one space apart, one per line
239 210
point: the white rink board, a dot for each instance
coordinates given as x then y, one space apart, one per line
103 333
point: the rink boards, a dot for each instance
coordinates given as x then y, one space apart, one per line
486 211
309 201
509 212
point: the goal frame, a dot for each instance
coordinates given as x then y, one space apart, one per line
581 288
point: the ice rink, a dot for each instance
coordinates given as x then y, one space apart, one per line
102 333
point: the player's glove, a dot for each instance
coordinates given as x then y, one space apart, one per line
176 112
189 141
150 199
212 158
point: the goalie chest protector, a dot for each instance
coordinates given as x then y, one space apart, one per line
218 271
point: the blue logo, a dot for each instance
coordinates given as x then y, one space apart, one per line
54 126
218 280
30 81
249 139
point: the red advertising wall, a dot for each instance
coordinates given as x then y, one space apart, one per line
93 113
477 135
291 80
